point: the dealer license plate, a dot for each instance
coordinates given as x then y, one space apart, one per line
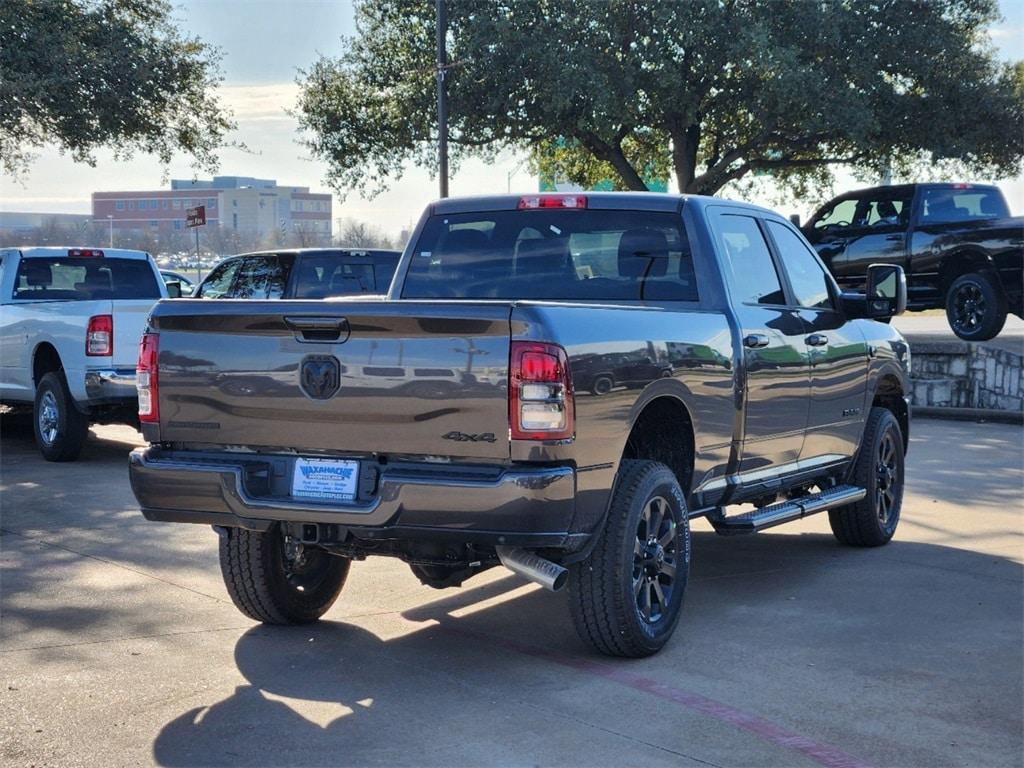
325 479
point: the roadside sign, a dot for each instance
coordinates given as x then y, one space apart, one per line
196 217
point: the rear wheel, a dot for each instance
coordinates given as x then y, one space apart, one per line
626 597
61 429
976 307
274 579
872 521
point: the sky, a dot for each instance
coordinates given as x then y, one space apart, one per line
265 43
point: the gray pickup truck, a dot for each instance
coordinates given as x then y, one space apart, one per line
445 424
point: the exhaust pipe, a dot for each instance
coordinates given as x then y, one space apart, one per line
549 575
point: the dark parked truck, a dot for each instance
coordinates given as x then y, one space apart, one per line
312 434
959 246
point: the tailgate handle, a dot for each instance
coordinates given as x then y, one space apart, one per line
333 329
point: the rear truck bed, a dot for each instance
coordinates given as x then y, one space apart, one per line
406 404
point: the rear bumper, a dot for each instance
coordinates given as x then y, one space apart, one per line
532 506
110 386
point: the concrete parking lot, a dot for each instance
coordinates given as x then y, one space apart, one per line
120 646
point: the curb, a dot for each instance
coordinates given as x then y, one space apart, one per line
967 414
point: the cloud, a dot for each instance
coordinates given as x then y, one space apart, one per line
260 103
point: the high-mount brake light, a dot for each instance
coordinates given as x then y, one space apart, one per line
99 336
85 253
565 202
541 405
146 378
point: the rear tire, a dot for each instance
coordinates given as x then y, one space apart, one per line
976 307
267 585
60 428
872 521
626 597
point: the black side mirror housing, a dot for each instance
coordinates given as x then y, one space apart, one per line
174 290
886 291
886 294
795 218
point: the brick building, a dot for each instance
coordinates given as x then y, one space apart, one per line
254 207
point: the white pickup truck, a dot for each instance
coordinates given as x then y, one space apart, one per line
70 324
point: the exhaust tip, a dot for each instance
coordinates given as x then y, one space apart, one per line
537 569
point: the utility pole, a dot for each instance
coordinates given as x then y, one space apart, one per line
110 218
442 97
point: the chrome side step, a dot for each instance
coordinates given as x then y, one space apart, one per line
784 511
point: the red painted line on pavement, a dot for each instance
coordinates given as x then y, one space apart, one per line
823 754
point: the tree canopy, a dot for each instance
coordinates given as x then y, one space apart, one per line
85 74
710 91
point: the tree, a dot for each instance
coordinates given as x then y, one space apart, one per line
85 74
359 234
711 91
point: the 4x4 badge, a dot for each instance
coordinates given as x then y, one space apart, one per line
320 376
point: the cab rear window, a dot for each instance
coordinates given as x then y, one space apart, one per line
589 255
80 279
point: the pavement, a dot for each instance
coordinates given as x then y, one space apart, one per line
119 645
933 326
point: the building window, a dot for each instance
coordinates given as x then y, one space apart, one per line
154 223
234 220
163 203
131 205
176 204
211 202
119 205
178 223
234 204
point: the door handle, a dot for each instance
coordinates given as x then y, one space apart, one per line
755 340
817 340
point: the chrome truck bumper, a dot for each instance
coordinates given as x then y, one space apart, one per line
527 507
107 386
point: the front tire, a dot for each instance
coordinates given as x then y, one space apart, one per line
872 521
276 580
626 597
60 428
976 307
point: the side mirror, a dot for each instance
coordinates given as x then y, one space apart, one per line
174 290
795 218
886 291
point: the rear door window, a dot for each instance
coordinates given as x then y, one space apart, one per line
750 270
217 285
262 277
85 279
327 275
589 255
962 204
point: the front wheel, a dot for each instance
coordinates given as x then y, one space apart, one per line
626 597
274 579
975 307
872 521
61 429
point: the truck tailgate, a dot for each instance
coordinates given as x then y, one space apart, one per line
129 323
416 378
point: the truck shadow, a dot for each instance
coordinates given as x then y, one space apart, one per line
490 670
18 440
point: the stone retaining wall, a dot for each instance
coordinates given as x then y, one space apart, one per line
961 374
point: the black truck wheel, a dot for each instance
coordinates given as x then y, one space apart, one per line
976 307
627 595
276 580
872 521
61 429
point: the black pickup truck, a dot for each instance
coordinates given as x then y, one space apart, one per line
959 246
314 433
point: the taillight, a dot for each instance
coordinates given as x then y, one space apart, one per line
146 376
99 336
569 202
540 392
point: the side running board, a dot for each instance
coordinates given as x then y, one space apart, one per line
784 511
